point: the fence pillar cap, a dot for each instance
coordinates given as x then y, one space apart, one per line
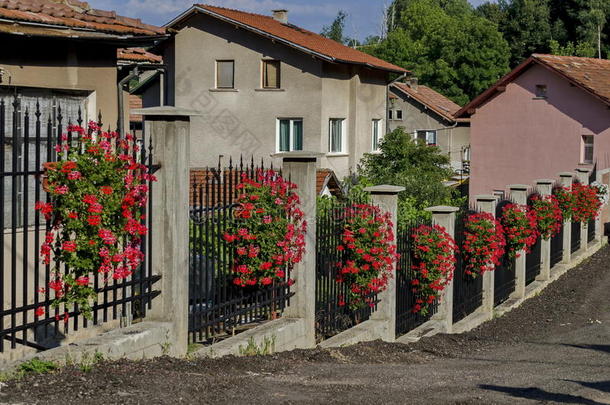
519 187
485 197
566 174
165 111
385 189
442 209
298 156
544 181
584 169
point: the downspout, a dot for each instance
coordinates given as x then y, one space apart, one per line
121 123
387 101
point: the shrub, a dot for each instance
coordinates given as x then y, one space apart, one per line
268 233
97 190
434 264
519 223
369 253
484 243
548 214
566 200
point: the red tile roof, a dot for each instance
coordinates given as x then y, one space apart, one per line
590 74
431 99
135 102
137 55
72 14
327 178
292 35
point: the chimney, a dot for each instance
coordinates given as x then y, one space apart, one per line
280 15
412 83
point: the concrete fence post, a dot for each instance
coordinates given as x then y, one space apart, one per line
565 181
545 188
300 168
386 198
582 174
445 216
169 129
487 203
518 193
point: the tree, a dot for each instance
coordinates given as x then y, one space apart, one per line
335 30
420 168
457 55
494 12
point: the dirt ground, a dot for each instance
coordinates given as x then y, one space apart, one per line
555 348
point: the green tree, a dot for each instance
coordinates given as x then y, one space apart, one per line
571 49
457 55
420 168
335 30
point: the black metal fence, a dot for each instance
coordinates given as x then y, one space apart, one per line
591 231
557 247
28 136
406 320
467 290
217 307
333 311
504 280
575 242
533 262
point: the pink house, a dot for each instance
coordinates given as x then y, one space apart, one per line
551 114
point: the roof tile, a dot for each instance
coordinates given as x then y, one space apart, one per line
300 37
431 99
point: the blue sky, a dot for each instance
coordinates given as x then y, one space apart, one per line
364 15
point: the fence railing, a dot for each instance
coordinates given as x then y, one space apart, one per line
467 290
406 320
557 247
27 140
532 262
334 313
217 307
591 231
575 242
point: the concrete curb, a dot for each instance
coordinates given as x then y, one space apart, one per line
429 328
140 341
282 334
367 331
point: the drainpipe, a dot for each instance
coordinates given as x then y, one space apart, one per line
133 74
387 101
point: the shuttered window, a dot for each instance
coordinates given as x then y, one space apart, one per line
225 74
271 74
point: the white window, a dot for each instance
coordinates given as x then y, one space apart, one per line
426 135
587 149
336 135
289 134
390 114
376 134
225 74
399 115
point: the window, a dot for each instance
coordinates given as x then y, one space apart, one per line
289 134
377 136
225 74
428 136
587 149
271 74
390 114
399 115
336 137
541 91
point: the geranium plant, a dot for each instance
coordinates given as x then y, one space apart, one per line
97 191
267 234
520 229
434 263
566 200
484 243
548 214
586 202
369 253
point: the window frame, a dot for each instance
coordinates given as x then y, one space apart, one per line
397 117
584 146
390 115
427 131
541 91
291 142
216 76
279 74
380 134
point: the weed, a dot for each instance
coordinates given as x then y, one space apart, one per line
252 349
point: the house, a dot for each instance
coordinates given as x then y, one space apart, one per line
429 116
264 85
63 53
549 115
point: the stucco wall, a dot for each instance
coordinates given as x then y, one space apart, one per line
450 139
516 138
244 121
66 65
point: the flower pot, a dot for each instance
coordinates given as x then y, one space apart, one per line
46 167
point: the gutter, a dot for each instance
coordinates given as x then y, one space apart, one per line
133 74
